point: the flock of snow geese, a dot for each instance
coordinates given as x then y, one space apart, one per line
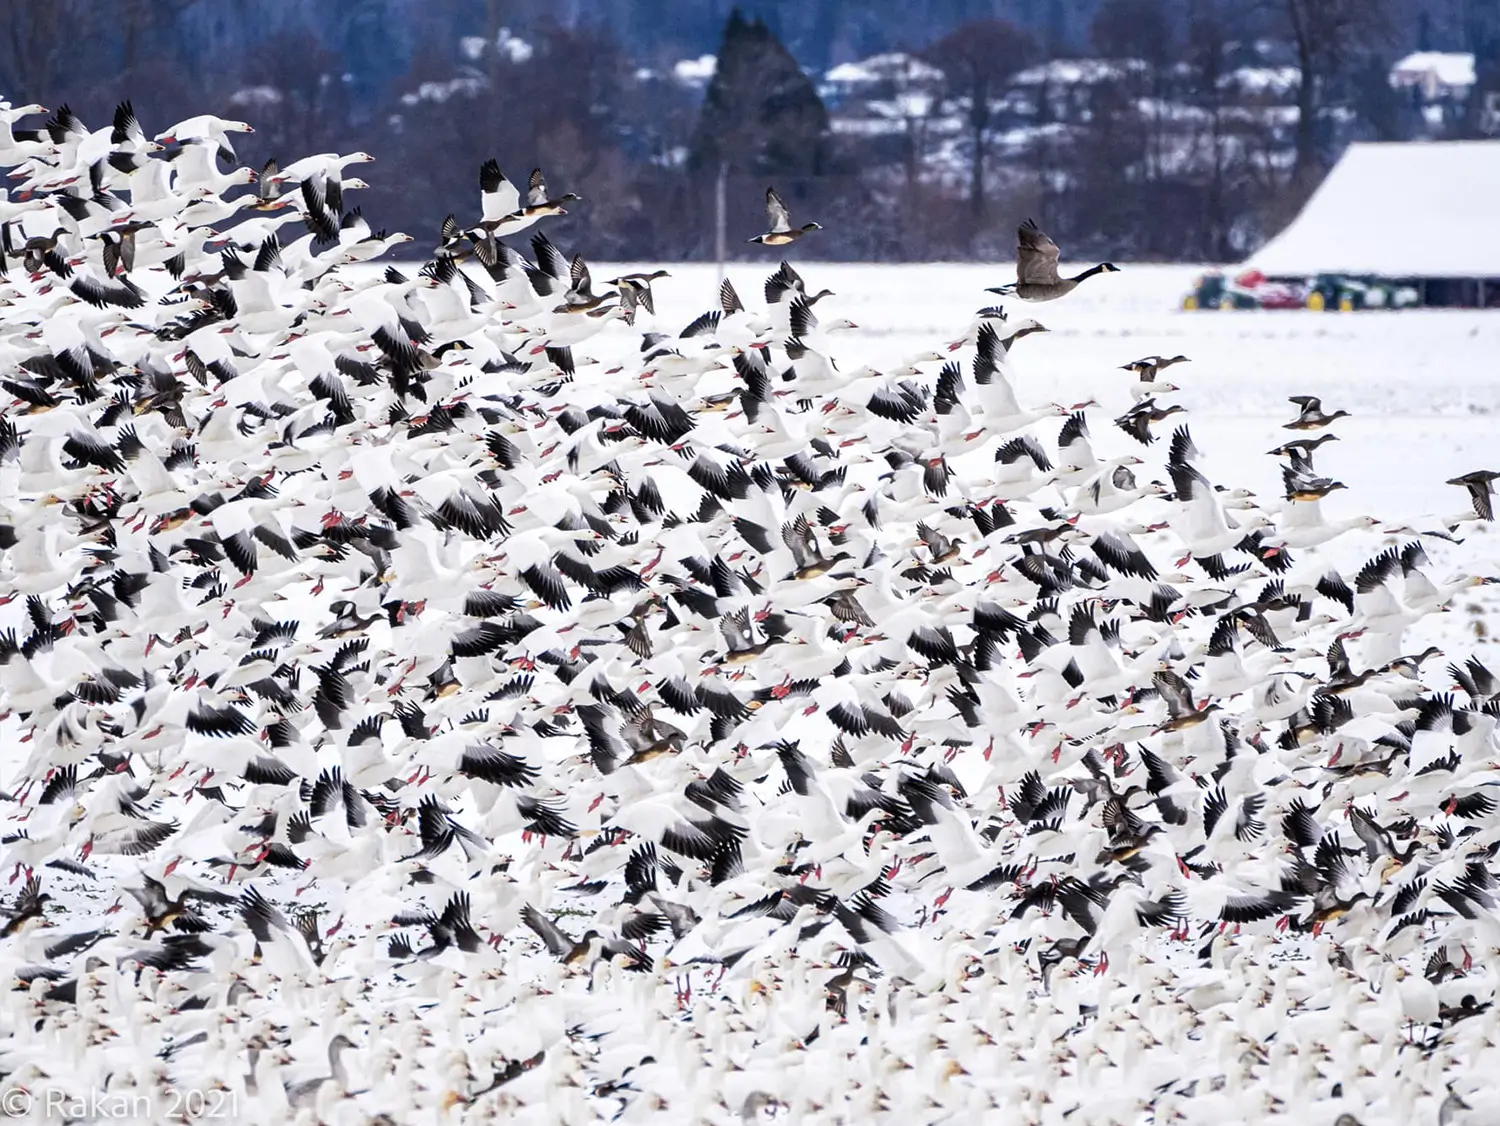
409 719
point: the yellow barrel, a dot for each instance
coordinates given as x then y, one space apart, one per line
1190 302
1315 301
1346 304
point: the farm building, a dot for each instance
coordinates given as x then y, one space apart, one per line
1422 215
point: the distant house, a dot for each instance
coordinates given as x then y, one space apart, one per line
1439 83
883 94
1063 89
1421 213
1436 74
883 77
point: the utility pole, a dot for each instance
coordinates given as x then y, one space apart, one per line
721 248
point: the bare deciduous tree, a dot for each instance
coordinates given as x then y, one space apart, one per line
978 59
1325 34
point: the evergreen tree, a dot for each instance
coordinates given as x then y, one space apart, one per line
761 114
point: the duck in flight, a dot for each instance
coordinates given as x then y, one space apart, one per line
781 230
1312 416
1481 484
1147 367
635 290
1036 268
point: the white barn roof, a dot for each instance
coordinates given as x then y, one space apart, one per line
1398 211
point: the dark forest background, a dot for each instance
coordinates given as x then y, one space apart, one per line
912 129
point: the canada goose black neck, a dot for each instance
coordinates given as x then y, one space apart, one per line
1101 268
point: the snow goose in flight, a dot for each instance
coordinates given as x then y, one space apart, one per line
1301 522
1110 490
809 335
196 167
1147 385
781 232
502 213
498 197
781 289
1021 467
327 168
1198 518
14 149
77 149
1036 268
206 127
995 316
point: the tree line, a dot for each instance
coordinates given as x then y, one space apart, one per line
1174 131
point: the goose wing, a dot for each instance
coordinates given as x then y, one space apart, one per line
776 212
1175 693
736 630
583 284
536 189
498 196
799 539
544 928
1036 255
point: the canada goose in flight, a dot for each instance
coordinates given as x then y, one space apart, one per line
1480 484
1036 268
781 230
1312 416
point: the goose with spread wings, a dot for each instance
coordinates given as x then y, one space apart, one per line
1036 268
781 231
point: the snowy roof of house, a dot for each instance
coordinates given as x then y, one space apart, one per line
1263 79
696 72
515 49
892 65
1075 72
1397 211
1440 67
